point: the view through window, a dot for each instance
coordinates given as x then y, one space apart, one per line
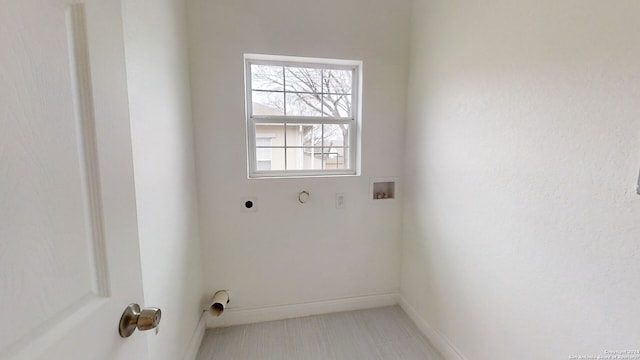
302 116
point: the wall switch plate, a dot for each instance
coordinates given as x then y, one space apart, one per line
340 201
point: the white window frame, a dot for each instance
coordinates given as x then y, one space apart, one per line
355 121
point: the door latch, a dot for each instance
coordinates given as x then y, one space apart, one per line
134 318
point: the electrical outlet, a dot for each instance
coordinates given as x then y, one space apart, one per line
340 201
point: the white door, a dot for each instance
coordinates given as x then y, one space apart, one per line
69 255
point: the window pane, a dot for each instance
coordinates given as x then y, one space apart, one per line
263 153
295 135
267 103
267 77
334 158
271 133
263 141
303 105
274 157
304 158
264 165
312 135
338 106
336 135
337 81
300 79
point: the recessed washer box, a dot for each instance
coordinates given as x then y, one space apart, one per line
381 189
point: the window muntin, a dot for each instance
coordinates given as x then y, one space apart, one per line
311 109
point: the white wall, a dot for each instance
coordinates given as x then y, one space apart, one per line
162 136
288 253
523 147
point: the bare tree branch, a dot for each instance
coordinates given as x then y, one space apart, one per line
323 91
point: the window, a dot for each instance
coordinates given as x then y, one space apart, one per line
303 116
263 153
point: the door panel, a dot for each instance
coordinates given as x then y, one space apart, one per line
69 256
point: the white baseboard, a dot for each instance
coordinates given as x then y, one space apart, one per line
437 339
241 316
196 339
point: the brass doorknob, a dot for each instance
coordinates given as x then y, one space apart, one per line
133 317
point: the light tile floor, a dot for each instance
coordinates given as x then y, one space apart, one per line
374 334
